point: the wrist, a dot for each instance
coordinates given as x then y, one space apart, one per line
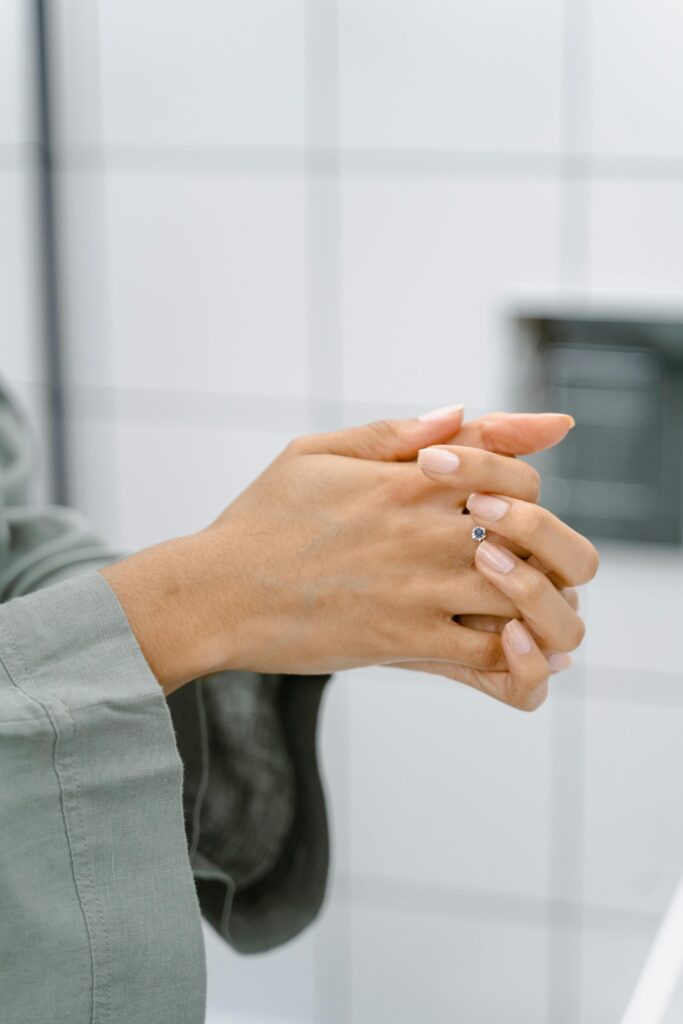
176 608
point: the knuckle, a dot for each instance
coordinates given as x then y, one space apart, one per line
532 586
487 654
536 519
592 563
298 445
533 482
572 636
576 633
384 430
529 692
533 697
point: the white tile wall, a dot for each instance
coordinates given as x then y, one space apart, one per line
93 463
429 268
433 969
447 786
283 984
610 965
439 75
207 283
216 73
624 630
19 288
637 78
16 112
84 286
173 478
633 832
635 241
75 72
278 984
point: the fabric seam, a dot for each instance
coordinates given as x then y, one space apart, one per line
68 827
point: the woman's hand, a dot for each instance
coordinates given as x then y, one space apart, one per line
541 588
340 554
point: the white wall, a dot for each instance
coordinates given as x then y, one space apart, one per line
279 215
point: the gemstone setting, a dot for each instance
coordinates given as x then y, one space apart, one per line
479 534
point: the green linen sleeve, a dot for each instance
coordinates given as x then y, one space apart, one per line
253 806
99 920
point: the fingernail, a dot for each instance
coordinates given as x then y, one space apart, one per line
444 413
438 460
487 507
518 637
495 557
559 661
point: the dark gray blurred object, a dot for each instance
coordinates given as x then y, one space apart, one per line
619 472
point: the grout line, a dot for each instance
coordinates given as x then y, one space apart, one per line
324 376
568 719
48 243
332 162
323 210
434 899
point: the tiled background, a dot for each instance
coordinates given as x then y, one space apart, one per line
282 215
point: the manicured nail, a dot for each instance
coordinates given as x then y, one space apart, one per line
559 661
495 557
438 460
444 413
519 637
486 506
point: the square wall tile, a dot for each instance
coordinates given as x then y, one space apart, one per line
443 76
635 241
92 466
75 70
305 981
17 116
448 787
208 284
88 356
633 832
637 78
630 609
20 286
176 477
277 985
216 73
410 967
430 268
611 963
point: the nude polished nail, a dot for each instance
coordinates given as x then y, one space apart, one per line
485 506
518 637
558 661
444 413
495 557
438 460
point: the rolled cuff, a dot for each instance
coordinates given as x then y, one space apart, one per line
91 819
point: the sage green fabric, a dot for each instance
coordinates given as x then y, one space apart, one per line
123 816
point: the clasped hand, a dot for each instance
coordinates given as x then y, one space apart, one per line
350 550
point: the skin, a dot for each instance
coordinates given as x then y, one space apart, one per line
344 553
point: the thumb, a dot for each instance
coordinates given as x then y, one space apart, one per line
390 440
